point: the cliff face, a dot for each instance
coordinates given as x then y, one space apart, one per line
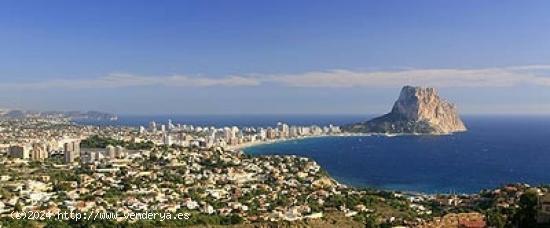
417 110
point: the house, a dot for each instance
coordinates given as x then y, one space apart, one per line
472 224
543 209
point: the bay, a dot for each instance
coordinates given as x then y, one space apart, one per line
496 150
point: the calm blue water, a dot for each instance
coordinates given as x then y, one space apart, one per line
496 150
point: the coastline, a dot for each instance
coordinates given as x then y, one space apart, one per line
243 146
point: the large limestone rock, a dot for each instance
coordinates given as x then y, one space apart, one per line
418 110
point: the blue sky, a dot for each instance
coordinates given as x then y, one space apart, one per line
217 57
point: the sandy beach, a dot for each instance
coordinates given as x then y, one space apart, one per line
270 141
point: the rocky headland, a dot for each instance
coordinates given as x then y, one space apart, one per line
417 111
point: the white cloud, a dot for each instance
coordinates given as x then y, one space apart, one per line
445 77
128 80
481 77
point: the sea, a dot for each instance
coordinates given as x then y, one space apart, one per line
496 150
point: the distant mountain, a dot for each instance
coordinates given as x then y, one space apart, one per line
94 115
18 114
416 111
100 115
14 114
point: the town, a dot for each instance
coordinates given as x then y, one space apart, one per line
53 165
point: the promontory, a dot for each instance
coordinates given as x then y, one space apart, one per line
417 111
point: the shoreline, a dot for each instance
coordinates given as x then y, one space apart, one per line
243 146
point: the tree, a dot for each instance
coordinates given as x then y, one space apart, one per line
496 219
371 222
526 215
18 207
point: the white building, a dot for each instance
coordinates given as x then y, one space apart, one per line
167 139
153 126
120 152
71 151
110 152
39 152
